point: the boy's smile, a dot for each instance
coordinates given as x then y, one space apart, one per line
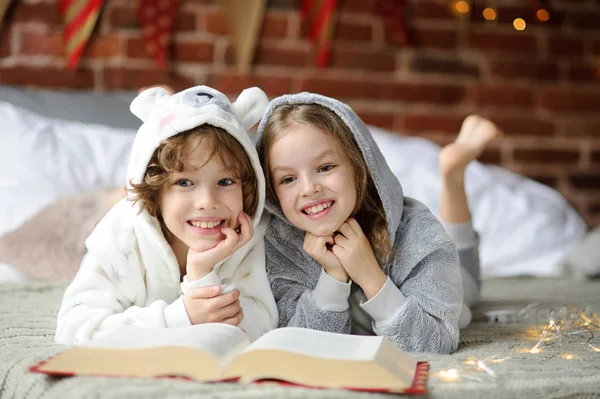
313 180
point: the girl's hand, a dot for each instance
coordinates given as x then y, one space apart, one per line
205 305
354 251
317 248
199 264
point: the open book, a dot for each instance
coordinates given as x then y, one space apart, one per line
220 352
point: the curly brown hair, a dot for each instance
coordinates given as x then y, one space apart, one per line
171 156
368 211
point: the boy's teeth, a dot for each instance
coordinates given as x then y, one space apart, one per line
206 225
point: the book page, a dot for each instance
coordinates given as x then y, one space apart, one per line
221 341
319 344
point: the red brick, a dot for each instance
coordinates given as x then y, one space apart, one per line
433 38
585 180
44 12
340 88
584 73
420 123
595 157
547 156
519 42
425 92
42 44
214 22
587 20
570 101
550 181
424 9
123 17
5 42
270 55
107 46
196 51
275 25
343 57
501 95
582 128
531 70
133 79
443 65
383 120
491 156
47 77
135 48
353 32
233 83
524 126
360 6
559 44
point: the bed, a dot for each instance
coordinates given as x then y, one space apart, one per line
61 144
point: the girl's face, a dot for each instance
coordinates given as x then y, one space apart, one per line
197 202
313 179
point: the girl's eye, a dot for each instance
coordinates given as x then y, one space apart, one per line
225 182
286 180
183 183
326 168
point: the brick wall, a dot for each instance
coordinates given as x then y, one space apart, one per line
541 85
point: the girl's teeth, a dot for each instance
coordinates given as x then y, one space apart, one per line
318 208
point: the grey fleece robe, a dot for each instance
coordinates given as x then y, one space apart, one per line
419 305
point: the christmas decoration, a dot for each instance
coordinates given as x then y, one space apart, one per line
245 19
156 18
79 17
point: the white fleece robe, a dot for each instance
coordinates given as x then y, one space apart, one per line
130 275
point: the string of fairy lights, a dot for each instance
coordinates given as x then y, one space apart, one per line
564 327
463 8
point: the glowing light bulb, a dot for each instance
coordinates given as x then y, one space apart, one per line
489 14
542 15
568 356
462 7
449 375
535 350
519 24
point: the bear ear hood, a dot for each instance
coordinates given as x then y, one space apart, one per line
164 115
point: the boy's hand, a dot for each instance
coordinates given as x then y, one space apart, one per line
199 264
354 251
317 247
205 305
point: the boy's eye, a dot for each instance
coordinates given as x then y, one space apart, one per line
183 183
286 180
226 182
326 168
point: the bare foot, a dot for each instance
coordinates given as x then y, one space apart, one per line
475 134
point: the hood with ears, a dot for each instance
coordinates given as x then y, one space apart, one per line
165 115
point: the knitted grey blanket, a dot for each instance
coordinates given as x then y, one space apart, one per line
28 320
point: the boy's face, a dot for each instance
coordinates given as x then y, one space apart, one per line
197 202
313 180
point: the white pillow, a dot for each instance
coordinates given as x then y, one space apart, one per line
524 226
43 158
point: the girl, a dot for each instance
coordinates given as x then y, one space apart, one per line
346 251
186 246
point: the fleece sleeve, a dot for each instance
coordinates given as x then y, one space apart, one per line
319 303
426 289
256 299
96 303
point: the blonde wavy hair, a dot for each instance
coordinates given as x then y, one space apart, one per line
171 156
368 211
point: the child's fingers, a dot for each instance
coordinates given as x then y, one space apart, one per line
341 240
210 291
236 319
346 230
355 226
246 229
227 311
